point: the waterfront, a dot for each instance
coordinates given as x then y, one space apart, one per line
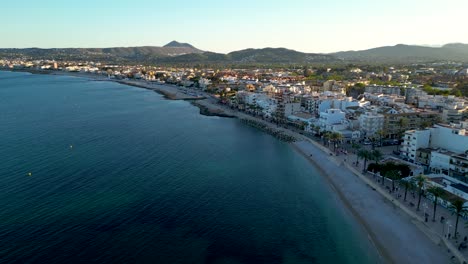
118 174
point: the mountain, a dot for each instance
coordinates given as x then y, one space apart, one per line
184 53
408 53
172 53
135 54
175 44
251 56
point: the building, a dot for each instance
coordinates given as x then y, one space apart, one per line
423 157
381 89
333 120
395 123
441 149
454 115
459 166
370 123
414 140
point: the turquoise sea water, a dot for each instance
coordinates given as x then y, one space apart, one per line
121 175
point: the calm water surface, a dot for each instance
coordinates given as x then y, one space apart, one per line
120 175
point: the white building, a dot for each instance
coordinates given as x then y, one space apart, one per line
449 146
440 161
370 123
333 120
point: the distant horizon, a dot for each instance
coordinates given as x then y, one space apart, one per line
310 26
186 42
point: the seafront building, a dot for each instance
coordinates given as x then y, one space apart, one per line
441 149
371 123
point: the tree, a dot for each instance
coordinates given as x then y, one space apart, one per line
356 147
365 155
408 185
419 181
436 192
336 138
377 155
326 138
381 134
402 123
458 207
394 175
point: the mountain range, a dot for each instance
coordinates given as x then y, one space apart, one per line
408 53
184 53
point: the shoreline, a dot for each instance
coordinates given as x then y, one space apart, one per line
381 249
170 92
378 237
396 235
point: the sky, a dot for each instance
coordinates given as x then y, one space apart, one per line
225 26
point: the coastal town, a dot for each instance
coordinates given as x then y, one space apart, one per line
403 129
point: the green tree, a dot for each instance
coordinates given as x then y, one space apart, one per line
419 181
381 135
356 148
436 193
336 138
408 185
377 155
458 207
393 175
365 155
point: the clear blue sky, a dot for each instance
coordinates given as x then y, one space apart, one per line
224 26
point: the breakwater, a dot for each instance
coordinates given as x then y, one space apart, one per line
270 130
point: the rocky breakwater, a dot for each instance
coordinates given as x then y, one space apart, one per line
268 128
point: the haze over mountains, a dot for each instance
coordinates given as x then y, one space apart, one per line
184 53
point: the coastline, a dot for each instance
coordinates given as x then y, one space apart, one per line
390 229
357 197
170 92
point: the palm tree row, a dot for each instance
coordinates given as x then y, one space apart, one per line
366 155
333 137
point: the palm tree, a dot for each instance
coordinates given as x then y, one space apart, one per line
356 148
377 155
436 192
408 185
335 138
326 138
381 134
394 175
366 155
458 207
419 181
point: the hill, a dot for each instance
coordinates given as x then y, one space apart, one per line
408 54
135 54
251 56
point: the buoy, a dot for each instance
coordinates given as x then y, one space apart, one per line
29 174
71 146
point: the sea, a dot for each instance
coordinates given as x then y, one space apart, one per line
99 172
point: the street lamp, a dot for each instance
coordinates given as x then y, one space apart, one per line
449 225
425 208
